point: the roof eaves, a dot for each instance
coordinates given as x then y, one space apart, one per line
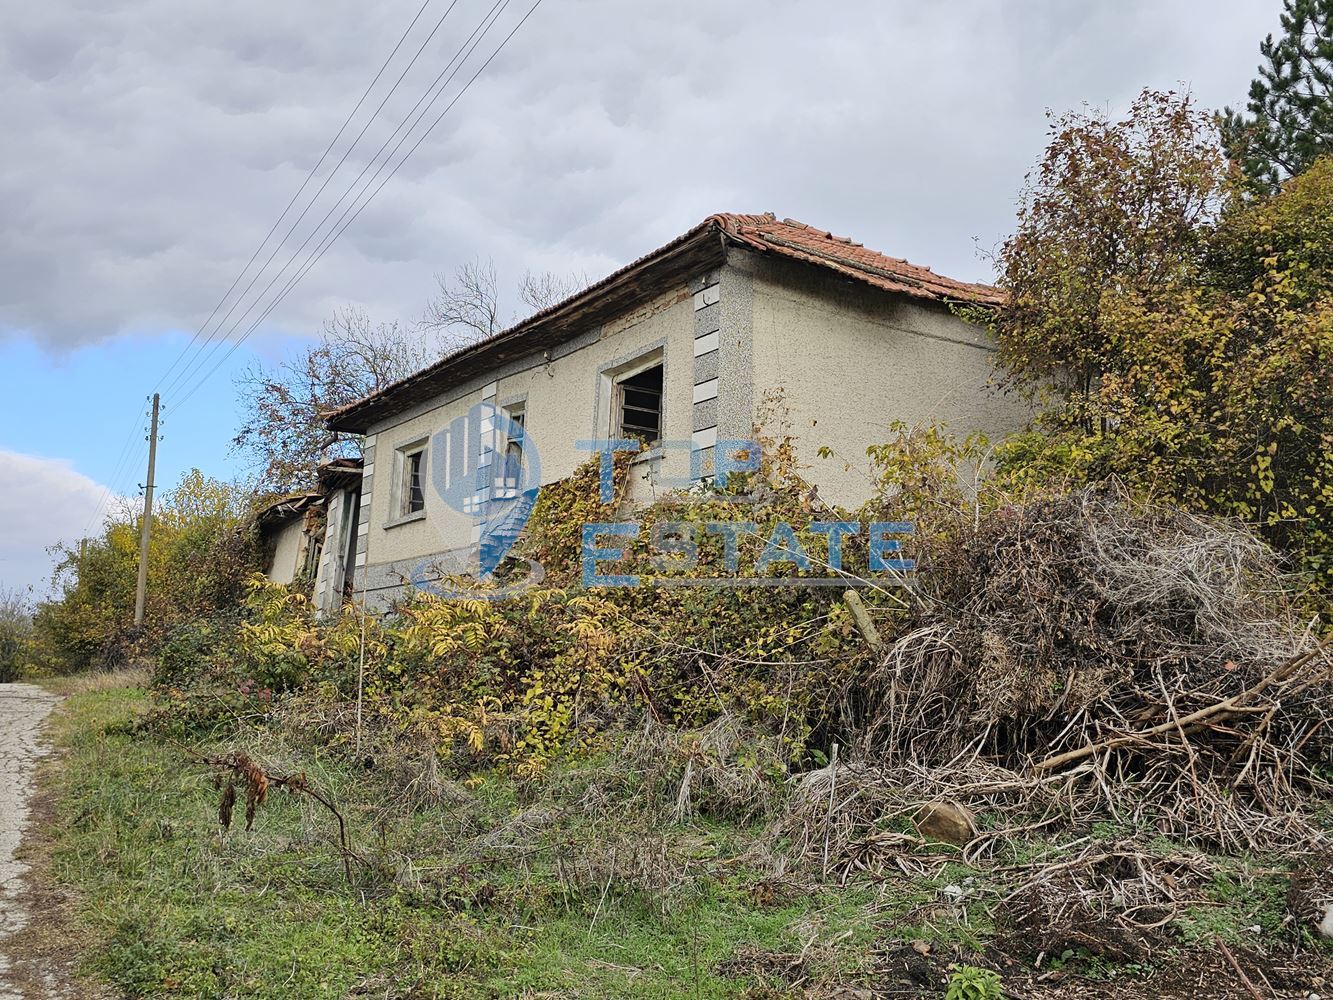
758 233
554 323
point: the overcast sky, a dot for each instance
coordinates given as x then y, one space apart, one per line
151 144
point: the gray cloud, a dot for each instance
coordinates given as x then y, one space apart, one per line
151 143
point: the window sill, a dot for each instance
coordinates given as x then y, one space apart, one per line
398 522
651 455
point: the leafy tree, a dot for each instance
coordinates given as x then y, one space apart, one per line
1271 264
15 632
1114 214
91 619
1180 336
201 552
207 548
1288 120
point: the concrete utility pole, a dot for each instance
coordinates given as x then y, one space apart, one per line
147 519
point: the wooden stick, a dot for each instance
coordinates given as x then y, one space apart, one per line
1245 980
1224 708
863 623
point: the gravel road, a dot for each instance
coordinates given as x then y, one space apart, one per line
23 707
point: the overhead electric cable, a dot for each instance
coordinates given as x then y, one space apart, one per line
433 93
311 175
313 258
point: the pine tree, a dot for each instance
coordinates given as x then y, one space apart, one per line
1288 121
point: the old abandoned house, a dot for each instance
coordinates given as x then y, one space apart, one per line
311 536
291 534
682 346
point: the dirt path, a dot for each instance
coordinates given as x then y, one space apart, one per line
23 707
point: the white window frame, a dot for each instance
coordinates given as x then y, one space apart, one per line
401 499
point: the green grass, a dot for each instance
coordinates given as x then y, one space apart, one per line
182 911
570 909
1236 907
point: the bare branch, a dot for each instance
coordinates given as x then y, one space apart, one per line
541 291
285 404
466 306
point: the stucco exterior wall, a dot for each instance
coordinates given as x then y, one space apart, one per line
565 399
850 361
289 542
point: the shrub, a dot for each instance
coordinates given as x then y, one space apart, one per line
1180 336
15 634
191 648
203 548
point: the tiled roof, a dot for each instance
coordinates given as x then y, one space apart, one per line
688 255
789 238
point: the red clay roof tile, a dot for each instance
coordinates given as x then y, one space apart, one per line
759 233
796 240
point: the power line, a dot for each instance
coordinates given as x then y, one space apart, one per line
308 178
487 22
122 466
128 457
329 239
117 470
181 379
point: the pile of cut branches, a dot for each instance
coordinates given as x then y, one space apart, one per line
1150 657
1121 708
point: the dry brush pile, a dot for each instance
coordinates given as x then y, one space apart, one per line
1150 655
1079 664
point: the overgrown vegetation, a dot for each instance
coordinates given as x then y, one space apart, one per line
203 548
1179 334
1090 744
649 792
15 633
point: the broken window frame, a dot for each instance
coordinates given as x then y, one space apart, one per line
510 473
620 404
